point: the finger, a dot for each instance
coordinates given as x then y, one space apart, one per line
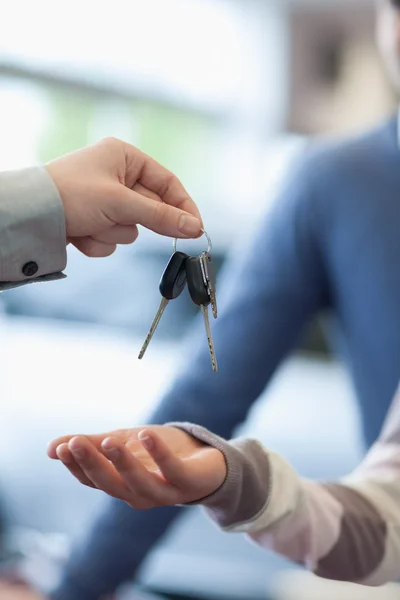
143 485
65 456
172 468
95 440
131 208
140 189
118 234
96 467
92 248
53 446
143 169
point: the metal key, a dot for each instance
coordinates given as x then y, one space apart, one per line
198 290
209 278
172 284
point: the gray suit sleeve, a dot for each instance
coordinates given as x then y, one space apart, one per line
32 228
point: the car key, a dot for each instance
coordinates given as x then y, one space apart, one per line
209 278
198 291
172 284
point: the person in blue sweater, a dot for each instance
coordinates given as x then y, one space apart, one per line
331 242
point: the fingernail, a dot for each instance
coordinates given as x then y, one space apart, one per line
112 453
146 441
78 453
189 225
60 448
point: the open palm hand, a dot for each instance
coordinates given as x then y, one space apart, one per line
145 467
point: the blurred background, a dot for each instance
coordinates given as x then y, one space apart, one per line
225 93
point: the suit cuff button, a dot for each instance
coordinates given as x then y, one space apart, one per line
30 268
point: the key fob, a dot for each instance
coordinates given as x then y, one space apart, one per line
195 281
173 280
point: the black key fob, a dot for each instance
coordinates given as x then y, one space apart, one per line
195 281
173 280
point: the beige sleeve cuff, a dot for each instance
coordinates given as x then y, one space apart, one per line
32 228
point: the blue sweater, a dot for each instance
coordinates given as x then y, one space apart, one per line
332 241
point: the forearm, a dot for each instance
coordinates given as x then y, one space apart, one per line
345 531
32 228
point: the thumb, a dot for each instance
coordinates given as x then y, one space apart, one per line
134 208
172 467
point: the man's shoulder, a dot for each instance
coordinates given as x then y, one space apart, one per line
330 157
326 169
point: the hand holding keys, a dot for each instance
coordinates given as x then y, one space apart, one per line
198 273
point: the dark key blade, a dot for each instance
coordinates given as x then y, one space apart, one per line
195 281
173 280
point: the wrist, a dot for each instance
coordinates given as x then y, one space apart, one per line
245 490
212 459
53 173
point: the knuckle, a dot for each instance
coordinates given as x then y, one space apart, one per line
111 150
110 141
112 248
171 180
86 246
140 504
160 215
131 236
85 482
161 457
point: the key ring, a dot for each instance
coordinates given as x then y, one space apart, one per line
174 243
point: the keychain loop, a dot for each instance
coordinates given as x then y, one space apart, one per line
174 243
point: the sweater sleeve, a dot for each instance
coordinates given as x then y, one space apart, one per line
347 530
